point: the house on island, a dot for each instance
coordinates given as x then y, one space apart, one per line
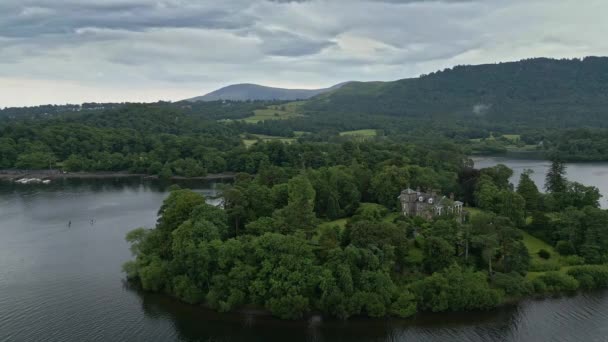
430 204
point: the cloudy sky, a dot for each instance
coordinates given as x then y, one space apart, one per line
60 51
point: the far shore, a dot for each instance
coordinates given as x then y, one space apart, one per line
12 175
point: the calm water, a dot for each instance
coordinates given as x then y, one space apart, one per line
60 283
595 174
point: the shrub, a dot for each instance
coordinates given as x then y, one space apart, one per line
572 260
186 290
288 307
405 305
590 276
564 247
418 242
558 281
514 284
539 286
153 276
455 289
543 253
586 281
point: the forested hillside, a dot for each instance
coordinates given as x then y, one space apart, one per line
534 93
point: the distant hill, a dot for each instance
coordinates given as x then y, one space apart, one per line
538 92
248 91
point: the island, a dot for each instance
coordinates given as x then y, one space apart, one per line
354 239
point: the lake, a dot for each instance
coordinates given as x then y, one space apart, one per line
60 283
595 174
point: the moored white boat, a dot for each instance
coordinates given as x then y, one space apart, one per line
30 180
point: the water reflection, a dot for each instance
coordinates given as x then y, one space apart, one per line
195 323
583 317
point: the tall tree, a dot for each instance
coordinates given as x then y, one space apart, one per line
555 180
298 214
528 190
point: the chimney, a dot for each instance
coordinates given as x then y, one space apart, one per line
452 196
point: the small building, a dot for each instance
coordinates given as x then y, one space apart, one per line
430 204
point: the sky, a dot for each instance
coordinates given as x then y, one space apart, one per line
74 51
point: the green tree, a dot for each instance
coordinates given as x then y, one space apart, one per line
299 213
555 180
36 160
528 190
388 183
438 254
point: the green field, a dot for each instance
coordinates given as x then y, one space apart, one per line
538 264
525 148
512 137
248 141
360 133
534 245
276 112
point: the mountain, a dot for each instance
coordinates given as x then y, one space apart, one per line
248 91
538 92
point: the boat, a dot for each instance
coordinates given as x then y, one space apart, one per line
29 180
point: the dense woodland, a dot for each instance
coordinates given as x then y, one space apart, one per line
193 140
534 93
330 239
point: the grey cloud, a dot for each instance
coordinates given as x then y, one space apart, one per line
287 44
198 45
33 18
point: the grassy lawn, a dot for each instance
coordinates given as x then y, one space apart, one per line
473 211
275 112
534 245
512 137
539 265
391 217
249 142
360 133
414 254
524 148
339 222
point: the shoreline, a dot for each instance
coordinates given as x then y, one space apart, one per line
13 175
318 316
535 158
